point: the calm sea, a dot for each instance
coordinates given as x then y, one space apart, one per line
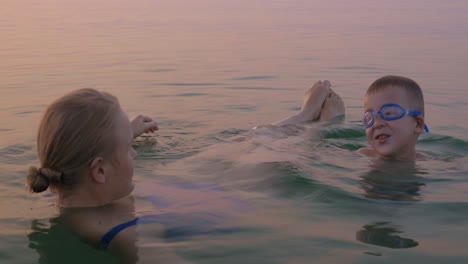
210 70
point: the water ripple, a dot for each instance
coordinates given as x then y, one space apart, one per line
248 78
255 88
190 84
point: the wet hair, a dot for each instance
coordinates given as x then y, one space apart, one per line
74 130
412 89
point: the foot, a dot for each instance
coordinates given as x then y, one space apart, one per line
333 107
313 102
314 99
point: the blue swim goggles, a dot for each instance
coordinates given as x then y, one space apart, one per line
389 112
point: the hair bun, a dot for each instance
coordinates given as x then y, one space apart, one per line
38 179
52 175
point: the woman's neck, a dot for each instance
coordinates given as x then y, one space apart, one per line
79 198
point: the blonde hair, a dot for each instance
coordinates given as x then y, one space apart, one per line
411 87
74 130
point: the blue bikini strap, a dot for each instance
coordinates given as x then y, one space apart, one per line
107 238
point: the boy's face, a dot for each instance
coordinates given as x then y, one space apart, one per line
395 138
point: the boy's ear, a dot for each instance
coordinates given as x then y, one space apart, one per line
419 125
98 170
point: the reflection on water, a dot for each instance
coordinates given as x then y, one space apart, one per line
55 244
384 234
393 180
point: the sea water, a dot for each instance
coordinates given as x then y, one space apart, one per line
210 71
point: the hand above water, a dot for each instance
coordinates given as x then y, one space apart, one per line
143 124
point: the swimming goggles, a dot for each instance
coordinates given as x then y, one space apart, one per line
389 112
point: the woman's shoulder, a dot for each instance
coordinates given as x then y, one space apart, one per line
93 223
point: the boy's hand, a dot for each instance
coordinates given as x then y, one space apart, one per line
143 124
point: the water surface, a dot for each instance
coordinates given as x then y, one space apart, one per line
208 71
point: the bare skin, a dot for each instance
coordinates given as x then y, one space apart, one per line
333 107
320 103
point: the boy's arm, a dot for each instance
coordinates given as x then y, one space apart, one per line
143 124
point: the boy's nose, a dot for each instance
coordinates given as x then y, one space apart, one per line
378 121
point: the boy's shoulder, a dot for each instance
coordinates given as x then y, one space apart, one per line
369 152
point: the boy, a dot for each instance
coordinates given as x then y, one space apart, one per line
393 118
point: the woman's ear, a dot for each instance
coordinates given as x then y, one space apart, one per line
98 170
419 125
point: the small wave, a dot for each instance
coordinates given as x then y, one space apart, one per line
248 78
444 145
191 94
248 108
343 133
26 112
16 154
255 88
158 70
356 68
190 84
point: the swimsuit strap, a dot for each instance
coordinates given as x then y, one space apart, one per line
107 238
